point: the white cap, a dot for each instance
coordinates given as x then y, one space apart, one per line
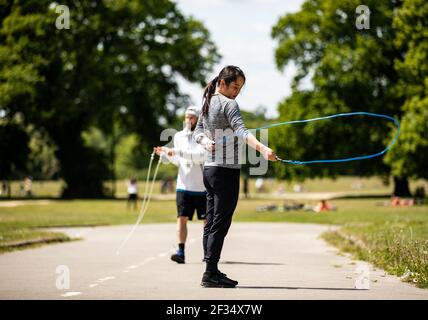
193 111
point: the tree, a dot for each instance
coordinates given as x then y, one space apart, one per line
411 25
253 120
42 163
117 55
351 70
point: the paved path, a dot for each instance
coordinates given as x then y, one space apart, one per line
270 261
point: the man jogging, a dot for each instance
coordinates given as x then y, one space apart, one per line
190 191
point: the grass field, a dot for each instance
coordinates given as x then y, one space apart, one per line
373 186
395 239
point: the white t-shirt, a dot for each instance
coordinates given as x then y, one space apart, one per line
132 188
189 158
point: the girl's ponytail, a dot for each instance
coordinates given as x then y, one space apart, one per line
208 93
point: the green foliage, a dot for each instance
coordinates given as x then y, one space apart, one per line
411 24
372 70
115 66
257 118
42 163
254 120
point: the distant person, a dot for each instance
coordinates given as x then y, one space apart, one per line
357 185
324 206
170 184
398 202
167 185
164 185
280 190
259 184
297 188
28 184
21 189
3 189
419 195
132 189
190 191
395 201
245 187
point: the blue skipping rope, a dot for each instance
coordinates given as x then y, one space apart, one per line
297 162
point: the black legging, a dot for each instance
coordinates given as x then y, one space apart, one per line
222 185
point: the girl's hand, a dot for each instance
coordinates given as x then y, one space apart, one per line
211 146
208 144
268 154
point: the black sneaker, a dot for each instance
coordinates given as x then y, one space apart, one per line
224 276
177 257
215 280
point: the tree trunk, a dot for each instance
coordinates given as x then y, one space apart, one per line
113 169
401 187
83 169
113 159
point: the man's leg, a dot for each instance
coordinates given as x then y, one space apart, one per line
179 256
184 207
182 229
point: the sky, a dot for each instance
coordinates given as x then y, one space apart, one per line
241 31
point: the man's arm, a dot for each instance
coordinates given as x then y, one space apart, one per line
196 155
166 156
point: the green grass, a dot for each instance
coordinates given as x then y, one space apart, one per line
343 184
395 239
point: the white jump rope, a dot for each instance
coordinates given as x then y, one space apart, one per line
146 200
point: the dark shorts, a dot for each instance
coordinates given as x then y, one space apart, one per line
187 203
132 196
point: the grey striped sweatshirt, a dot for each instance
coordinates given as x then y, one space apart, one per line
224 125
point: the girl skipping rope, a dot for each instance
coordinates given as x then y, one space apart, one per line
221 114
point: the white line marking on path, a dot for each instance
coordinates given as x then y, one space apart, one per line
106 279
71 294
126 270
147 260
